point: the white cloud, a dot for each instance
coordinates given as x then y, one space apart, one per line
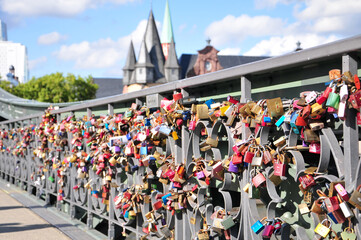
330 16
60 8
51 38
236 29
280 45
230 51
103 53
33 64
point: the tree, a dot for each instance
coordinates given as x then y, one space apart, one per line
55 88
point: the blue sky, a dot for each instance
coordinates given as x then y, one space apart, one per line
91 37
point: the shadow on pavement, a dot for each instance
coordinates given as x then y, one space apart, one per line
9 227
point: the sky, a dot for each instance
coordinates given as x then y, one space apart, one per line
92 37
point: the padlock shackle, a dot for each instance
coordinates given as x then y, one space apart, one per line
320 193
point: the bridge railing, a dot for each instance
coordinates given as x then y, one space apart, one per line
284 76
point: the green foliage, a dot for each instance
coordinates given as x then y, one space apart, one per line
55 88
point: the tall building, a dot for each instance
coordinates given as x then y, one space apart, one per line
3 31
152 67
12 54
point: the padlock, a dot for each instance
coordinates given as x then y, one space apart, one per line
248 157
355 198
332 204
316 110
233 167
315 148
275 107
257 108
323 230
258 180
279 166
303 208
237 159
267 157
257 158
310 136
343 101
228 222
307 181
348 234
342 191
275 179
311 96
258 226
316 126
280 121
306 111
300 121
347 212
294 127
355 99
192 124
324 95
268 230
337 216
280 142
253 192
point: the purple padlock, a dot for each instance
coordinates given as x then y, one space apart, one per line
233 167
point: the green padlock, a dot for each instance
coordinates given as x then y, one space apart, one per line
228 223
348 234
51 179
333 100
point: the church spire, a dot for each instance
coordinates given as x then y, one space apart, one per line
172 68
167 31
129 65
154 49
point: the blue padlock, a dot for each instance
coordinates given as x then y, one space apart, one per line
209 103
147 122
258 226
293 123
144 150
280 121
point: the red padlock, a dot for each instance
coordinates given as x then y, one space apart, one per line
332 204
355 99
307 181
248 157
177 96
237 159
324 95
342 192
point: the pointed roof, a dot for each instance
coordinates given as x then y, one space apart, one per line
167 31
130 62
154 47
143 57
172 60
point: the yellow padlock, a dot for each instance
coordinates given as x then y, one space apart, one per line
322 229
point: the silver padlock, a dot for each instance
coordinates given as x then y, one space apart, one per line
347 212
343 101
257 160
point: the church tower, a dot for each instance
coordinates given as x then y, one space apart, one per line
167 31
152 67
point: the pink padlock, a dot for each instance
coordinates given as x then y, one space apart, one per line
315 148
342 192
268 230
258 180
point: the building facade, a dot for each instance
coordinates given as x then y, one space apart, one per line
12 54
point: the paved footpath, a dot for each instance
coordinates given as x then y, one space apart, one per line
23 217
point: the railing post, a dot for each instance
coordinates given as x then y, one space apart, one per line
110 109
246 87
350 131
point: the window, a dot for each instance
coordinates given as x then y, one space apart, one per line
208 66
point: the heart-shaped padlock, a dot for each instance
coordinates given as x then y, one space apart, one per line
348 234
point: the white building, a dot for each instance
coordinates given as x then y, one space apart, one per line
12 54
